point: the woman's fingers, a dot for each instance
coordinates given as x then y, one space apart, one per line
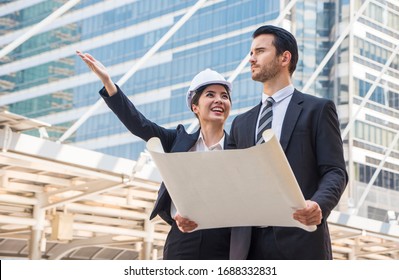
91 58
184 224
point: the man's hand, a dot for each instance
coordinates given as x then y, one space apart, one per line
184 224
310 215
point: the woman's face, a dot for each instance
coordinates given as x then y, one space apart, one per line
213 105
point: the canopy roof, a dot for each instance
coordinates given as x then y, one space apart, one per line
58 201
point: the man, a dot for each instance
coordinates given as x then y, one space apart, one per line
309 134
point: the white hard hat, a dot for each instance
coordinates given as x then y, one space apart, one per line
204 78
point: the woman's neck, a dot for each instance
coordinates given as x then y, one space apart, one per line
212 134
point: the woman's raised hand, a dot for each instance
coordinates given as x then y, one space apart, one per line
100 70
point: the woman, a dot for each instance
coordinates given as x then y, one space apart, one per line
209 98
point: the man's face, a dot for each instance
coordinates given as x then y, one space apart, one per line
265 64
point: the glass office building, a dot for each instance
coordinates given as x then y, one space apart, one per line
44 79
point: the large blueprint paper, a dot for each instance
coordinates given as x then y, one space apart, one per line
247 187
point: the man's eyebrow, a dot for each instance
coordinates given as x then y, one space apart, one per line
257 49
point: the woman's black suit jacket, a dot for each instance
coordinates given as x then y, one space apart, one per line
201 244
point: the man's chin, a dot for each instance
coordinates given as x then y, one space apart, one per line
256 78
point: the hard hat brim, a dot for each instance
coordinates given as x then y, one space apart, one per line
191 92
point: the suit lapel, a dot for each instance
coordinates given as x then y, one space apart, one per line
291 117
226 137
185 142
252 118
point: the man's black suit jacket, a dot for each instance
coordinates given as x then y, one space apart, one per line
311 140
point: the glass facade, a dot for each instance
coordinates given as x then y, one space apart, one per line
44 79
372 76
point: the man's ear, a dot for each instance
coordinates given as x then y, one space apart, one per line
286 57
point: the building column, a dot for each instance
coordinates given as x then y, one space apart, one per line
36 245
149 228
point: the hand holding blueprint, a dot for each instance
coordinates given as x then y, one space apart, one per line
247 187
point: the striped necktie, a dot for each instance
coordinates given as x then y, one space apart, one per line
265 121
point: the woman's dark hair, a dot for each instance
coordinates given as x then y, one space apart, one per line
283 41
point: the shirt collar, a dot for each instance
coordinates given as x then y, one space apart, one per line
218 146
280 95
